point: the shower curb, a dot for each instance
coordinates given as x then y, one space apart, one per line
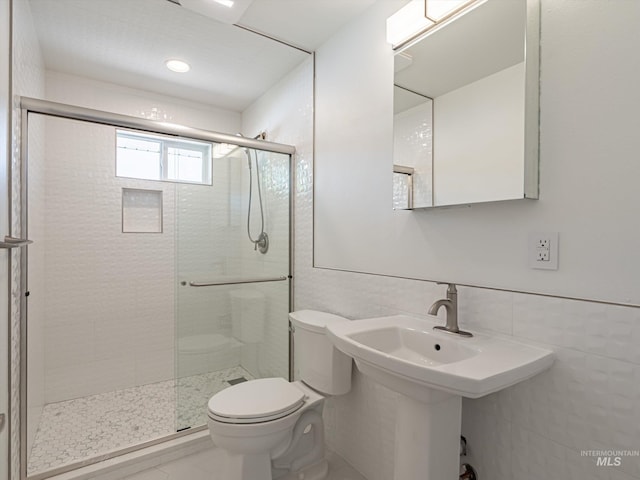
133 462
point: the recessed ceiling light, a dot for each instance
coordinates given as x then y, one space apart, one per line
226 3
177 66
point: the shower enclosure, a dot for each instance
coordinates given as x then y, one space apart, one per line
160 273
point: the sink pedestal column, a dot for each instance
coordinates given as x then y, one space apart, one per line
428 437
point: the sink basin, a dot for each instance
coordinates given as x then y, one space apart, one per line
409 349
432 370
414 346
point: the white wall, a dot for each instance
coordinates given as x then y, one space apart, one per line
587 166
479 131
588 399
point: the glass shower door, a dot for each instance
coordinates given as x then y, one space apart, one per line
233 266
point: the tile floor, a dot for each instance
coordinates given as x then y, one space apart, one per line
82 428
205 466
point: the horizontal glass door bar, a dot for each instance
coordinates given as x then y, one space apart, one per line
236 281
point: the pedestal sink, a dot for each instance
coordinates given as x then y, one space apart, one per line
433 370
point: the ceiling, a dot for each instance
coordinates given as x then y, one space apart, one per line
127 42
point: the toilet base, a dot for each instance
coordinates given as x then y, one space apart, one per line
248 467
317 471
258 467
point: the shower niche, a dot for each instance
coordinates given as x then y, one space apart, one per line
147 296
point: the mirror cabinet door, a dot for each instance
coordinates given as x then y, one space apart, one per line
466 106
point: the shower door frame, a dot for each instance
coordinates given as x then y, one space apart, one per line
72 112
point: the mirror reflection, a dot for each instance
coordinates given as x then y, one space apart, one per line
128 43
460 108
412 149
152 249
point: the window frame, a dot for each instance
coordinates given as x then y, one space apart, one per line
165 143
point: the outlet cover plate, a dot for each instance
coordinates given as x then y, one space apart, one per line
543 245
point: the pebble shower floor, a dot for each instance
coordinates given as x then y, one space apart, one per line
82 428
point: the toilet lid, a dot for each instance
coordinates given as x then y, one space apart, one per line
256 401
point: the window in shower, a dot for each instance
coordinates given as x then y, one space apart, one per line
156 157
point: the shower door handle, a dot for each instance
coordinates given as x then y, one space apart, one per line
2 417
12 242
236 281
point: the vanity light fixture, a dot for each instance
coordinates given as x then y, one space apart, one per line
420 16
225 11
177 66
226 3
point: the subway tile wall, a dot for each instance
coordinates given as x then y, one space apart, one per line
28 80
413 147
115 300
588 400
109 295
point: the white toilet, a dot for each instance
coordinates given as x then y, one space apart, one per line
270 428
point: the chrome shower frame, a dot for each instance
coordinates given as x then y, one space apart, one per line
72 112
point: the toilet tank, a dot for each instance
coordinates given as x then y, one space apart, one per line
322 366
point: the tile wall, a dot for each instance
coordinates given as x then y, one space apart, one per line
217 228
412 147
285 113
28 80
587 401
109 295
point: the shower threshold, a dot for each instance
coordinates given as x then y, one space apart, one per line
86 428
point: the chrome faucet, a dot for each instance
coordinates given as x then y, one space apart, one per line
450 304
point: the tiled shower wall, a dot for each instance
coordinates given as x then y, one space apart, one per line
120 330
28 80
285 113
271 357
105 318
109 294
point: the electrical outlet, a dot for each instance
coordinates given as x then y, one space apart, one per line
543 250
543 243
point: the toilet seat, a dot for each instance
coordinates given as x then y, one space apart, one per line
256 401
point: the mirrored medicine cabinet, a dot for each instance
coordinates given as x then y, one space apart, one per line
466 97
